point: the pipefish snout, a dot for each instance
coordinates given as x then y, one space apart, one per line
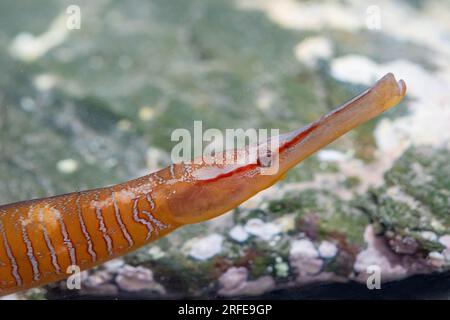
41 238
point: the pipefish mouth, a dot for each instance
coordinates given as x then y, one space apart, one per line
41 238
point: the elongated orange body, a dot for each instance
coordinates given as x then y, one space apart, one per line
40 239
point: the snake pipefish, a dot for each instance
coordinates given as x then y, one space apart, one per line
40 239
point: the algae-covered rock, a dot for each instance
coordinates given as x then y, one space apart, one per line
413 206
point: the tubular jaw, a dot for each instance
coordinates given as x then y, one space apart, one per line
385 94
203 199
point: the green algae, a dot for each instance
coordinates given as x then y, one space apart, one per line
420 201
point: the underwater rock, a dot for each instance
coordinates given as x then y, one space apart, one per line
327 249
303 248
436 259
378 254
138 279
234 282
99 284
205 248
238 233
258 228
445 240
304 258
403 245
114 266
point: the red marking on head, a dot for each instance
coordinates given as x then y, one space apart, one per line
244 168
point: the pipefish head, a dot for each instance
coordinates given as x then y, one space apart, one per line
217 188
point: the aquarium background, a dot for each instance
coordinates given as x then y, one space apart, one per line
95 106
